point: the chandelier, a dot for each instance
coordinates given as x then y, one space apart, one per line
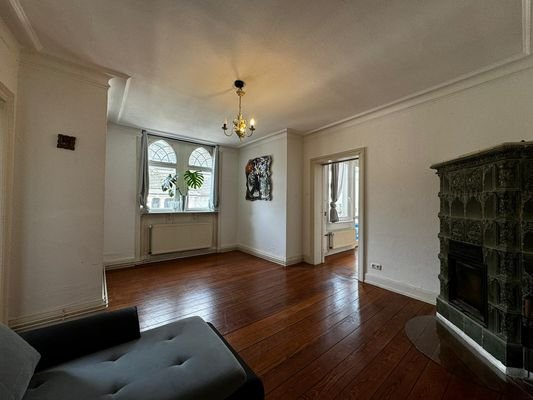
239 123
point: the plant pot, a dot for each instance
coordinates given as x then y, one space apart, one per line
182 202
175 203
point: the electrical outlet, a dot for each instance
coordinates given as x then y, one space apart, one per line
376 266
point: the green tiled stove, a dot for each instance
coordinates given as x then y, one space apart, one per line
486 247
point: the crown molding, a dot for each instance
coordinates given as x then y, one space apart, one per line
124 99
508 66
263 139
488 74
26 25
89 73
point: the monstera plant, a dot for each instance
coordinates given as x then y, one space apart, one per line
169 185
193 179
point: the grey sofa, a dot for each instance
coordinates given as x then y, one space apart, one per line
106 357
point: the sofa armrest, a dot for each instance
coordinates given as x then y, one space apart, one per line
253 388
72 339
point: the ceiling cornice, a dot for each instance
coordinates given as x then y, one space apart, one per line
26 25
489 74
511 65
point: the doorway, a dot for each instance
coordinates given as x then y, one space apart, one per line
340 225
337 210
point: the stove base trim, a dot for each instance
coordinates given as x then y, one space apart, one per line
480 351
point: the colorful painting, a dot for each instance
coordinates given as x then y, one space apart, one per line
258 182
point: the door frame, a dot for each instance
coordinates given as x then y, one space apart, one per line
317 208
7 146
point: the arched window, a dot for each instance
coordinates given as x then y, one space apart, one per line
200 157
201 160
160 151
162 162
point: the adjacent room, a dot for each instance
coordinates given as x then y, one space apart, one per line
266 199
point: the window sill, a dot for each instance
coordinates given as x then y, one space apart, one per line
152 212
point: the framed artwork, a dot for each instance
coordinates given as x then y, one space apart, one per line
258 182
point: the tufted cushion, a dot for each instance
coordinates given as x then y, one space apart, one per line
179 361
17 363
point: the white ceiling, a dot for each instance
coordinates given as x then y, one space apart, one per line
306 63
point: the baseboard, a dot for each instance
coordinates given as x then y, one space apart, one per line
284 261
480 351
57 315
121 263
176 256
158 258
261 254
293 260
130 262
340 250
402 288
227 248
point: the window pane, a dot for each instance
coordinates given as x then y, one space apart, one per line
200 157
199 198
344 204
161 151
157 198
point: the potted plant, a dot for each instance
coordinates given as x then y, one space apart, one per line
193 180
170 185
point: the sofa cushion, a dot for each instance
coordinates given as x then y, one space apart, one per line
182 360
17 364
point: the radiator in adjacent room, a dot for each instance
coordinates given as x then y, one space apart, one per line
170 238
342 238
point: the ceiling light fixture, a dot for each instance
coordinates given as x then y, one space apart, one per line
239 123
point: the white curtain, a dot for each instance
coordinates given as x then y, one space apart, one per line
214 186
143 172
338 174
334 190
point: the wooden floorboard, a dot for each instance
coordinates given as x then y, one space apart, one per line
308 332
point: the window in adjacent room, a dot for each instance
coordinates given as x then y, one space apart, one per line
345 202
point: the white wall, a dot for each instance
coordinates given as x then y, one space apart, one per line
228 197
262 224
9 54
59 194
121 210
294 197
401 190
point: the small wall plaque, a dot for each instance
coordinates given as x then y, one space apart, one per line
66 142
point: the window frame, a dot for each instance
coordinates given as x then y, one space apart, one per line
183 151
203 170
160 164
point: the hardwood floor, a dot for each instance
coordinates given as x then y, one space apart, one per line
309 332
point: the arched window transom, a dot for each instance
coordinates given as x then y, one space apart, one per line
160 151
200 157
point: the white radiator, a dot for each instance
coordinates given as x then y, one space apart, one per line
343 238
170 238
